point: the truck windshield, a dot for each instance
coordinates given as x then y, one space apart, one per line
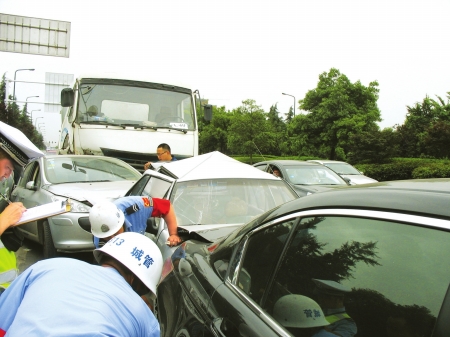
134 106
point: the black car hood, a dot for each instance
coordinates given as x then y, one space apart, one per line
209 233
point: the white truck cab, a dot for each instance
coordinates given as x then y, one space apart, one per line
127 118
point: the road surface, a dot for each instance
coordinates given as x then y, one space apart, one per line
31 252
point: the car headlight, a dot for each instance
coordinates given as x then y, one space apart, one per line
77 207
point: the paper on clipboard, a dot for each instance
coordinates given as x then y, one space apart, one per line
45 211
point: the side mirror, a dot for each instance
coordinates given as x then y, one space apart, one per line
67 97
347 180
30 186
207 112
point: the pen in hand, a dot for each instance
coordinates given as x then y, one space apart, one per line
5 198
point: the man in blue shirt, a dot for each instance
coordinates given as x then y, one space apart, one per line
68 297
130 214
164 153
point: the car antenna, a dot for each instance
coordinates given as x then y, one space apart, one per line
271 168
258 150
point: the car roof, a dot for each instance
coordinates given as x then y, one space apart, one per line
212 165
427 197
327 161
287 162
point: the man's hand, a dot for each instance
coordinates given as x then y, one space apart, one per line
147 165
173 240
11 215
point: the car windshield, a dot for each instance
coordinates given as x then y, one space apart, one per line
72 169
227 201
135 106
343 168
312 175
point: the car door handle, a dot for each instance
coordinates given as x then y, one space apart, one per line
216 327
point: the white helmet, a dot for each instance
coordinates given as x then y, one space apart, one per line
106 219
138 253
297 311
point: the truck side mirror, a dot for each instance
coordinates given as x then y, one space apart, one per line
207 112
67 97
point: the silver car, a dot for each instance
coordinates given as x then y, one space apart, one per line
83 179
209 193
346 170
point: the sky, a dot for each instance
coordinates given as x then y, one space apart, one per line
237 50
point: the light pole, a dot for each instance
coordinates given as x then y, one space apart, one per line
14 88
31 114
30 97
40 127
26 104
35 121
294 100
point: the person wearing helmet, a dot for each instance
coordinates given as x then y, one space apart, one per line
301 316
330 296
130 214
69 297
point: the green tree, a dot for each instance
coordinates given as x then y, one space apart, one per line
279 127
337 109
373 146
424 130
11 115
214 134
249 131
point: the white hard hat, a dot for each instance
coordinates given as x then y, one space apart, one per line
138 253
297 311
106 219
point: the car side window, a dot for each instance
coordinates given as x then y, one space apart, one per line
395 275
260 258
261 167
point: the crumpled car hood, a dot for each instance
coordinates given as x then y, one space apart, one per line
92 191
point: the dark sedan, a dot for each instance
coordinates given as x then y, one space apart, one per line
387 245
305 177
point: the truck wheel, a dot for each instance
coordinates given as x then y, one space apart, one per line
49 247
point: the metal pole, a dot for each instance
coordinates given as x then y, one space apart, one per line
294 100
31 114
26 103
14 88
35 121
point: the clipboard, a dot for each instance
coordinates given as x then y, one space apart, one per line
45 211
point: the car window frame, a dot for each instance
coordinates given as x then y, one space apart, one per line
236 260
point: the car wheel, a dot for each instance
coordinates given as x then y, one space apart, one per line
49 247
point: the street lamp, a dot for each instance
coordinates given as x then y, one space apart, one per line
40 127
31 114
14 89
26 103
294 100
35 121
30 97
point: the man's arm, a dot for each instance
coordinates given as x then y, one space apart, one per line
171 221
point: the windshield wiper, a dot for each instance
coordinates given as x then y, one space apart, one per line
171 128
101 123
138 126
